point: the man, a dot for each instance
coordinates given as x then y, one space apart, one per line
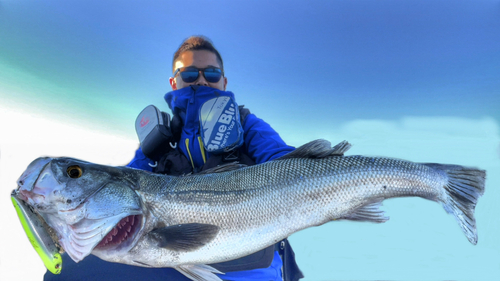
198 77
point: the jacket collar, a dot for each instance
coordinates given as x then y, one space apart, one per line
191 99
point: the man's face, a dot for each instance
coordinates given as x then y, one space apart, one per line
198 59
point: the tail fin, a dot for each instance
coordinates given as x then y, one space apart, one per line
465 186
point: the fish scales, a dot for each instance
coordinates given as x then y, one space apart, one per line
279 198
135 217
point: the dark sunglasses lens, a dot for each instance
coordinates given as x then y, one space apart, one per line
212 75
190 75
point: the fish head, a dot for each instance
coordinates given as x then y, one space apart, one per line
90 207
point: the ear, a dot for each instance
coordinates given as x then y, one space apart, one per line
225 82
173 84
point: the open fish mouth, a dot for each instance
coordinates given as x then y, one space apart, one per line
122 235
105 235
111 234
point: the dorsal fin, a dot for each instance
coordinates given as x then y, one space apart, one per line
223 168
318 149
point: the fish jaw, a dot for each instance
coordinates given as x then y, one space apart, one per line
36 185
27 180
79 228
113 234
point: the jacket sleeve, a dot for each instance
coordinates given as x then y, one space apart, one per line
140 161
262 142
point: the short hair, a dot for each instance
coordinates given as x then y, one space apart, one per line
196 43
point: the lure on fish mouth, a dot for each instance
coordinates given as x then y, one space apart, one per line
39 236
138 218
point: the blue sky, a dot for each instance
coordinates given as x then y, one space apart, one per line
347 58
418 80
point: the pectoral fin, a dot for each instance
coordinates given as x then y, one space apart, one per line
199 272
185 237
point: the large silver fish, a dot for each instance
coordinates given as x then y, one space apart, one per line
135 217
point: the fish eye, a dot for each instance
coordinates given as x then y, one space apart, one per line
74 171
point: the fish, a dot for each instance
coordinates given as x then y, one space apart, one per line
188 222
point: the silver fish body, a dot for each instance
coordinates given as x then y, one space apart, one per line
135 217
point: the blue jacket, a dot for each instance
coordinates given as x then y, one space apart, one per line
261 142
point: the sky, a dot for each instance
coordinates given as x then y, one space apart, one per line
416 80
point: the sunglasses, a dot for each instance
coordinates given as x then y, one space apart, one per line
190 74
